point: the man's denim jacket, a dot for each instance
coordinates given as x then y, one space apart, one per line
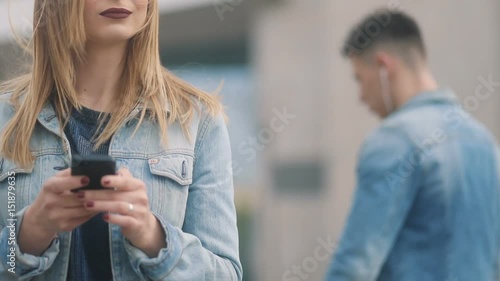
427 204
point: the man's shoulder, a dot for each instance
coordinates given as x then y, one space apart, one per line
407 130
429 124
428 128
383 141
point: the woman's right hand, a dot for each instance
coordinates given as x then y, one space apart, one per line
55 209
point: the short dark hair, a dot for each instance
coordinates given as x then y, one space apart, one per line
383 26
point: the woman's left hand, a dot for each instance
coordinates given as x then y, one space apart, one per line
127 205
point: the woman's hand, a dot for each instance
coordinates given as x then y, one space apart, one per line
55 209
127 205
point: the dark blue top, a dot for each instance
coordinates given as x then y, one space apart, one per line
90 257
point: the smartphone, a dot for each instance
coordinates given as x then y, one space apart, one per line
93 166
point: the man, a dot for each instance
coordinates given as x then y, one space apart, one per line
427 203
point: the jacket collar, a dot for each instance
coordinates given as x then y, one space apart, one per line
440 96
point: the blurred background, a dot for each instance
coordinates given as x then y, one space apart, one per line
296 122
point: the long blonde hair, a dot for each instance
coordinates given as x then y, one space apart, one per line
58 46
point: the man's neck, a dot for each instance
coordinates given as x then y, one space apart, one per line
99 75
414 84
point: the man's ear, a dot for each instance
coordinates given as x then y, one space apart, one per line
385 60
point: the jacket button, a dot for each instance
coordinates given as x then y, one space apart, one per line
184 172
60 168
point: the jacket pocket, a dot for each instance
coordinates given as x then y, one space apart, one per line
178 167
168 185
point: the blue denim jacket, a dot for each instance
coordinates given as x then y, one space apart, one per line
190 189
427 203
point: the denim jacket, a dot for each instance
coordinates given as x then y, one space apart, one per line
427 203
190 190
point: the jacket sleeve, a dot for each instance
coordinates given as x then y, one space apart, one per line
206 248
385 192
17 265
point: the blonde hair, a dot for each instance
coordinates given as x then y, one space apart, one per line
58 45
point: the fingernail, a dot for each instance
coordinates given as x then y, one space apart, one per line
89 204
85 181
105 217
106 182
80 195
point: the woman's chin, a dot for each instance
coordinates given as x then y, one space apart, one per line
111 38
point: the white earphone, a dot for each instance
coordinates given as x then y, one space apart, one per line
384 84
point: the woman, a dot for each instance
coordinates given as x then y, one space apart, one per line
96 86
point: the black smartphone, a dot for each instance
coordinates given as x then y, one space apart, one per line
94 167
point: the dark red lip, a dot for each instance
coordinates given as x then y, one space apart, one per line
116 13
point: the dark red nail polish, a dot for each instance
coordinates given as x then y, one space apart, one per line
85 181
105 217
80 195
89 204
